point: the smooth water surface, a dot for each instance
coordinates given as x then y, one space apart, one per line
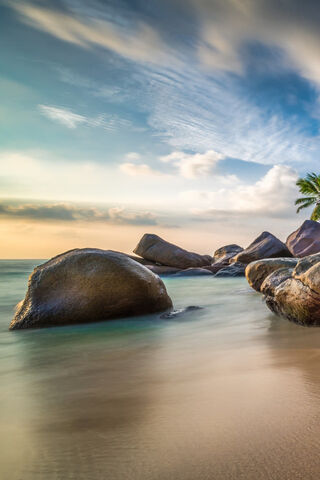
226 392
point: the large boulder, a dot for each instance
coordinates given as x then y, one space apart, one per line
296 295
88 285
305 240
264 246
233 270
154 248
257 271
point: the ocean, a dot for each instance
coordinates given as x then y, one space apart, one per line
226 392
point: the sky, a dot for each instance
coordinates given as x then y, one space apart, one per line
191 119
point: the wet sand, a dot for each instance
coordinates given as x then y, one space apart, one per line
227 392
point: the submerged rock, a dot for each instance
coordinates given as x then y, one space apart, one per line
257 271
89 285
264 246
305 240
154 248
232 270
181 311
193 272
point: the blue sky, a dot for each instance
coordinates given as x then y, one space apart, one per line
184 117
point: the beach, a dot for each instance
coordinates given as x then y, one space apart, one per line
228 391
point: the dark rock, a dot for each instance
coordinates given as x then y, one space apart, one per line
257 271
233 270
305 240
154 248
181 311
162 270
192 272
264 246
89 285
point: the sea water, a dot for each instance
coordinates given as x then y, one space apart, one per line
226 392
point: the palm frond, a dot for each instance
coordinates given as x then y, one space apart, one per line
305 199
306 204
316 213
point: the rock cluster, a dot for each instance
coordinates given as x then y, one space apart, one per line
89 285
291 287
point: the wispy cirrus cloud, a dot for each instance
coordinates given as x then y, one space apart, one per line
62 115
72 120
141 43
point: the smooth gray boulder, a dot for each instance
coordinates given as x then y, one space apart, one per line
193 272
257 271
264 246
232 270
305 240
89 285
154 248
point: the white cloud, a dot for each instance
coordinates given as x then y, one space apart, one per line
72 120
63 116
272 195
227 25
132 156
143 44
194 165
142 169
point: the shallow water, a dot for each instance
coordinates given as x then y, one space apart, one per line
226 392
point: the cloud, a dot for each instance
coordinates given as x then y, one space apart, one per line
63 116
72 120
132 156
227 26
193 165
142 169
271 196
188 166
70 213
141 44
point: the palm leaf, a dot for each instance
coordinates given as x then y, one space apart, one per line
307 203
316 213
305 199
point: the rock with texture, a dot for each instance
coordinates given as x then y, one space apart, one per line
264 246
224 254
257 271
89 285
154 248
272 281
305 240
297 297
233 270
